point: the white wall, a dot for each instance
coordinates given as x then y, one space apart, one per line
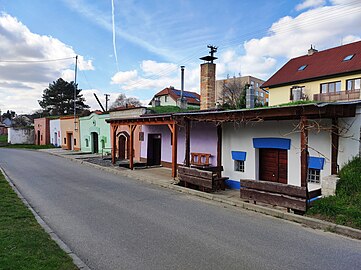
21 135
240 138
55 128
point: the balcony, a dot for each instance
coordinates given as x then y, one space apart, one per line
337 96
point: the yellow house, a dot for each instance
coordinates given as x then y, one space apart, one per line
70 132
321 76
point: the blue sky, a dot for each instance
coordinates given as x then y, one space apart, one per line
153 38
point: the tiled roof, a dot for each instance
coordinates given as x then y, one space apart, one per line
319 65
192 97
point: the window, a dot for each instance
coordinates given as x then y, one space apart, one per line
256 93
74 141
86 143
64 140
314 176
331 87
252 82
302 67
165 98
348 57
257 84
352 85
261 94
239 165
103 144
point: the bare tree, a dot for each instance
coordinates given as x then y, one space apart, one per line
234 94
123 101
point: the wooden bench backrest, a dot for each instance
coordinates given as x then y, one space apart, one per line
200 159
279 188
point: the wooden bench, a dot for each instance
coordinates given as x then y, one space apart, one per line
200 179
291 197
200 159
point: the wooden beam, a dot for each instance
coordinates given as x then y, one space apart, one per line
335 143
304 151
219 147
114 141
174 150
131 143
187 142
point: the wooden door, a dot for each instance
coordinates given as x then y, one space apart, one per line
273 165
121 147
154 149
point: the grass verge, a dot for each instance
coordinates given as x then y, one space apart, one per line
345 207
28 146
3 138
23 242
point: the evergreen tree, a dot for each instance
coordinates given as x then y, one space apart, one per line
58 98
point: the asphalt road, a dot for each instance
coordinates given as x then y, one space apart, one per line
118 223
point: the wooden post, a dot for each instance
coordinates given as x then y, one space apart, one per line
188 144
114 141
131 142
304 151
219 148
173 130
335 142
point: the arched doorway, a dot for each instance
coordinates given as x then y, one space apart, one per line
95 143
123 145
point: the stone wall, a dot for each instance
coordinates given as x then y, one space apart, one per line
328 185
21 136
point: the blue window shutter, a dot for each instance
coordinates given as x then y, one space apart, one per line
238 155
316 163
275 143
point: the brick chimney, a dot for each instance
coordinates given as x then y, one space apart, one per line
208 80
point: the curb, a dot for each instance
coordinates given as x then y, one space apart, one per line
304 220
76 260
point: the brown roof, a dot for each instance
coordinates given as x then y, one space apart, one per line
192 97
321 64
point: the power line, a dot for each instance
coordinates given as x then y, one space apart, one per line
36 61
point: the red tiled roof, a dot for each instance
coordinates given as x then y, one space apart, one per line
321 64
192 97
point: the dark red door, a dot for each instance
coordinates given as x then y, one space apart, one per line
121 149
273 165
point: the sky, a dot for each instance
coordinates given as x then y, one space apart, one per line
136 47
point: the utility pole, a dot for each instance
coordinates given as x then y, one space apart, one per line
75 88
106 101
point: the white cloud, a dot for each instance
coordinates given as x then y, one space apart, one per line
124 77
310 4
150 67
22 77
292 36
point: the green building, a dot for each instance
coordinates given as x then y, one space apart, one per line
95 133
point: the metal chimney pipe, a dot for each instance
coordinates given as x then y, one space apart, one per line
182 82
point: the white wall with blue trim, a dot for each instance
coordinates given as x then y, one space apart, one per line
240 138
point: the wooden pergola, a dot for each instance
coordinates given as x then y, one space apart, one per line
303 113
132 123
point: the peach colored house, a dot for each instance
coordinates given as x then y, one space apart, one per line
120 134
70 133
41 128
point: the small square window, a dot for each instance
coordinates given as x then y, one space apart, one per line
348 57
239 165
314 176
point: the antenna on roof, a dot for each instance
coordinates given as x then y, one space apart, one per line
210 58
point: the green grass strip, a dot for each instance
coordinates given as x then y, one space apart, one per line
23 242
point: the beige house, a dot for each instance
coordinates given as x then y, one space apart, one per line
70 133
322 76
